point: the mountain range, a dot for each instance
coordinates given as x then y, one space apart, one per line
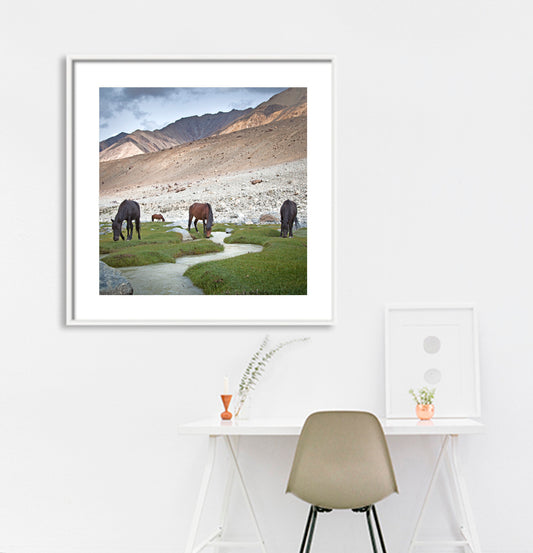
287 104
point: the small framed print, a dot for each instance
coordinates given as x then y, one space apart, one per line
433 346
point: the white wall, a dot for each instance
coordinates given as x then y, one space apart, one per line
434 142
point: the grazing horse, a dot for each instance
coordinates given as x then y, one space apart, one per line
201 212
288 217
129 211
158 217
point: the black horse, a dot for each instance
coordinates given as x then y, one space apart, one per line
204 213
128 211
288 213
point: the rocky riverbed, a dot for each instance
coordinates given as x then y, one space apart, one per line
248 196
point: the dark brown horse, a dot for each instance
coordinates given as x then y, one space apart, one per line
288 213
157 217
204 213
128 211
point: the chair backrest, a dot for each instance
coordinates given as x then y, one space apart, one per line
342 461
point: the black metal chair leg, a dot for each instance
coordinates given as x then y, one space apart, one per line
376 521
306 532
311 529
371 532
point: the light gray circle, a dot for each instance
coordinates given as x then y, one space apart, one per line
431 344
432 376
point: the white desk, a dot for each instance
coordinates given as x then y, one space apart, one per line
449 429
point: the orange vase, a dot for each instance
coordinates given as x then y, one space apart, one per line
425 412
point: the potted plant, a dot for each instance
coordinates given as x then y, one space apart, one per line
424 402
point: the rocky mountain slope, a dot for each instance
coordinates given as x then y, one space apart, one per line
284 105
210 157
135 143
110 141
197 127
181 131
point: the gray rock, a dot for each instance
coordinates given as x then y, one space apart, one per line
229 230
268 218
112 282
184 233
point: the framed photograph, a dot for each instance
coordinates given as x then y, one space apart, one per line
433 346
199 191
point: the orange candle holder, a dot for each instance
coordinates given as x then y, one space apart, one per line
226 415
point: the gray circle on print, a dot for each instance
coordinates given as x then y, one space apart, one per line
431 344
432 376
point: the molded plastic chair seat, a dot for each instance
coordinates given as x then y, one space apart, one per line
342 462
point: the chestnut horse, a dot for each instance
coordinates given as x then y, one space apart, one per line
129 211
204 213
158 217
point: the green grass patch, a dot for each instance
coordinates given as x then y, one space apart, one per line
280 269
254 234
156 246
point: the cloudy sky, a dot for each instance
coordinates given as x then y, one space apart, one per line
128 109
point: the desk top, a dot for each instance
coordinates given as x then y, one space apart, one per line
292 427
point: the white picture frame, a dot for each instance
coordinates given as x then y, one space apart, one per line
85 76
434 346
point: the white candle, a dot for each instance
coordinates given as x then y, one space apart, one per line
226 385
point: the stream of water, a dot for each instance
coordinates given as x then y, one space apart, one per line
167 278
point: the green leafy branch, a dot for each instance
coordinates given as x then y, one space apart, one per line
256 367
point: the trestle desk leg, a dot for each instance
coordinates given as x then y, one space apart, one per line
469 529
465 516
227 494
200 502
233 456
428 493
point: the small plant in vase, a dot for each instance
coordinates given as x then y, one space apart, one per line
256 367
424 402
